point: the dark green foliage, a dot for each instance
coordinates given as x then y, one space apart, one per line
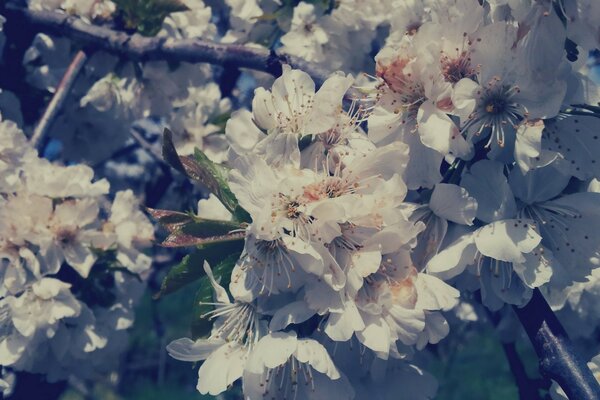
147 16
191 267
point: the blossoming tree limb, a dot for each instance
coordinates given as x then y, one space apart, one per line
335 221
142 48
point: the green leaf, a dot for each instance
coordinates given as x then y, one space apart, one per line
201 169
147 16
190 230
201 326
169 219
191 267
180 239
169 152
216 180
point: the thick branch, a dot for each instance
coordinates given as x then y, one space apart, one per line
557 356
140 48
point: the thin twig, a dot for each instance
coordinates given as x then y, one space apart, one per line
144 144
557 356
55 105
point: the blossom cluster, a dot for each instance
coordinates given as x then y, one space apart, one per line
463 160
329 249
69 264
371 210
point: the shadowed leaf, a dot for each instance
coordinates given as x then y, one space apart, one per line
191 266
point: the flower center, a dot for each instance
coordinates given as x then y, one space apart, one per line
455 69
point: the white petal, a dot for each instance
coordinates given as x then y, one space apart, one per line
376 335
539 184
486 182
434 294
252 182
536 270
312 352
453 203
408 324
576 138
47 288
423 168
464 96
366 262
276 348
263 109
223 367
341 326
186 349
328 103
453 260
292 313
528 144
80 258
438 132
306 256
241 132
507 240
219 292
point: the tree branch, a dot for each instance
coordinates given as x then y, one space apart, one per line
557 356
141 48
528 388
62 91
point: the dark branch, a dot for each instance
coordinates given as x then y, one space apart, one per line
528 388
141 48
557 356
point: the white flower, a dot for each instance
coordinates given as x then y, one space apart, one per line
293 105
447 203
90 9
399 304
235 334
407 110
191 122
564 222
242 18
34 315
507 257
283 366
46 179
132 231
67 232
15 153
306 36
503 96
193 23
